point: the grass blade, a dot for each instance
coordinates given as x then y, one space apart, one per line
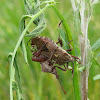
97 77
69 35
96 45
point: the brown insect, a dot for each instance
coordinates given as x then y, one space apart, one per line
49 53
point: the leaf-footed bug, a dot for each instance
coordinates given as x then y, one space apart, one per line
49 53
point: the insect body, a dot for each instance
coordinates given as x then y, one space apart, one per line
49 53
50 50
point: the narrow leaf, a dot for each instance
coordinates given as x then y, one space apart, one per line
95 2
22 45
81 68
36 31
22 23
96 45
95 61
98 55
69 35
63 38
15 87
97 77
77 50
17 74
40 27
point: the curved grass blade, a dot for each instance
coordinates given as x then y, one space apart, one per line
63 38
95 61
21 28
97 77
69 35
96 45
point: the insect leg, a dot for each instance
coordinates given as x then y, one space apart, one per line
52 54
39 59
60 24
57 76
38 52
59 68
70 46
59 41
75 57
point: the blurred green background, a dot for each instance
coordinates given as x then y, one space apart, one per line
37 85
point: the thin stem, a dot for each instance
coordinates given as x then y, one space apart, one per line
17 45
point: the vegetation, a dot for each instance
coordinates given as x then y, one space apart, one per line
26 79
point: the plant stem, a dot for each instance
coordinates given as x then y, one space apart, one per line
84 9
84 44
17 45
68 33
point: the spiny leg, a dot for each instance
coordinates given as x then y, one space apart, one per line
52 53
57 76
39 59
75 57
71 50
38 52
59 68
60 24
59 41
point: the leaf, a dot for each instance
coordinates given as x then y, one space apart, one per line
97 77
37 31
63 38
32 7
81 68
10 57
40 27
95 2
21 28
23 48
96 45
95 61
27 6
98 55
22 22
15 87
77 50
17 74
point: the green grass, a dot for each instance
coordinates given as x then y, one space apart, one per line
37 85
